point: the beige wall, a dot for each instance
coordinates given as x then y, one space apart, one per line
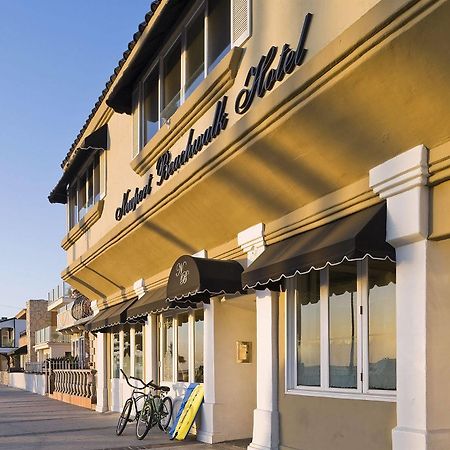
235 383
438 335
315 423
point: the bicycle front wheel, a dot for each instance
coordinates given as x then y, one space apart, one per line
145 420
165 413
124 417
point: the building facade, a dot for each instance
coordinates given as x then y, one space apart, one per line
258 202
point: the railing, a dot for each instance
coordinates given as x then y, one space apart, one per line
49 334
64 317
79 382
63 290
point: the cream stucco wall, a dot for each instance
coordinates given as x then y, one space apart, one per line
235 383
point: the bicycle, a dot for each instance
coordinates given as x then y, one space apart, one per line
136 395
157 409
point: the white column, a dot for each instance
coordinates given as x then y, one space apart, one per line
266 415
206 431
150 336
402 182
101 366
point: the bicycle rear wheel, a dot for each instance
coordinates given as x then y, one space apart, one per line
165 413
145 420
124 417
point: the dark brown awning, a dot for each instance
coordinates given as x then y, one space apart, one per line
109 317
154 302
98 140
19 351
197 279
351 238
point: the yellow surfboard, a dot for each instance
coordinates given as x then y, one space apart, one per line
189 413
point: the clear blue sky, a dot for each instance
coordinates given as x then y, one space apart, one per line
55 58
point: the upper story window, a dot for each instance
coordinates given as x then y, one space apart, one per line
341 330
85 191
7 337
195 49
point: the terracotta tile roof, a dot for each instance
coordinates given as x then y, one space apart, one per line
153 7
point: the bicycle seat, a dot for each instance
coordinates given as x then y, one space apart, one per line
161 388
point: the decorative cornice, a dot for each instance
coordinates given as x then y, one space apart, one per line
83 225
402 180
252 241
210 90
400 174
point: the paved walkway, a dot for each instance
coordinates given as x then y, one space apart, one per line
33 422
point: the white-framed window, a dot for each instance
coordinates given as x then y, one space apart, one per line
181 347
127 351
206 35
86 190
341 332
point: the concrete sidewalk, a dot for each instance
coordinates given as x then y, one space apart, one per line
30 421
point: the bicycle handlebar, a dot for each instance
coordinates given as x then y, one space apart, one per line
144 385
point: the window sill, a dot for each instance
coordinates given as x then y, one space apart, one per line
83 225
209 91
343 395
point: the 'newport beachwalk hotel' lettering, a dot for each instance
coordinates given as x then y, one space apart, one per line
165 167
259 80
265 79
130 204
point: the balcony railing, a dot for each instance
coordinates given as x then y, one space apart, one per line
79 382
50 335
62 291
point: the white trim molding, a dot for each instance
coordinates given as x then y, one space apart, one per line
402 181
252 241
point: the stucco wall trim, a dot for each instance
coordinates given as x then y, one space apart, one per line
83 225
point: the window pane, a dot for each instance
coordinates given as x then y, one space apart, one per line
172 81
116 355
198 346
183 348
382 339
219 32
73 210
90 186
82 197
136 119
97 178
167 349
195 54
138 352
343 326
308 329
126 350
151 107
